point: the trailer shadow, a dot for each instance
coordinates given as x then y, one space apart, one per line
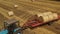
51 26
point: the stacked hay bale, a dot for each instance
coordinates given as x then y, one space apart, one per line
47 16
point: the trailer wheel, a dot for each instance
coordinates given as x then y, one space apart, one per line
49 23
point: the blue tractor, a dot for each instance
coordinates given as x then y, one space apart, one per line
11 26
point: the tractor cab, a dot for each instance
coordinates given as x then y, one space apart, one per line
11 26
13 23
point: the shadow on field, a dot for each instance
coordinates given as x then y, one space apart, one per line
54 27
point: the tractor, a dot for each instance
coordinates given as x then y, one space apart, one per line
11 26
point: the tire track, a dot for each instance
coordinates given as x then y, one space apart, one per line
19 13
42 4
23 13
51 29
42 7
51 2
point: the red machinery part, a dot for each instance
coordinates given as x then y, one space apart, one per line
59 17
33 23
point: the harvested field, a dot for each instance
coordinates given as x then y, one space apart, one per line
26 9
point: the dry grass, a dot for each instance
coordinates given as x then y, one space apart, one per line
27 9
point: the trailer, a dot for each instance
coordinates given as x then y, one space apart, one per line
42 18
